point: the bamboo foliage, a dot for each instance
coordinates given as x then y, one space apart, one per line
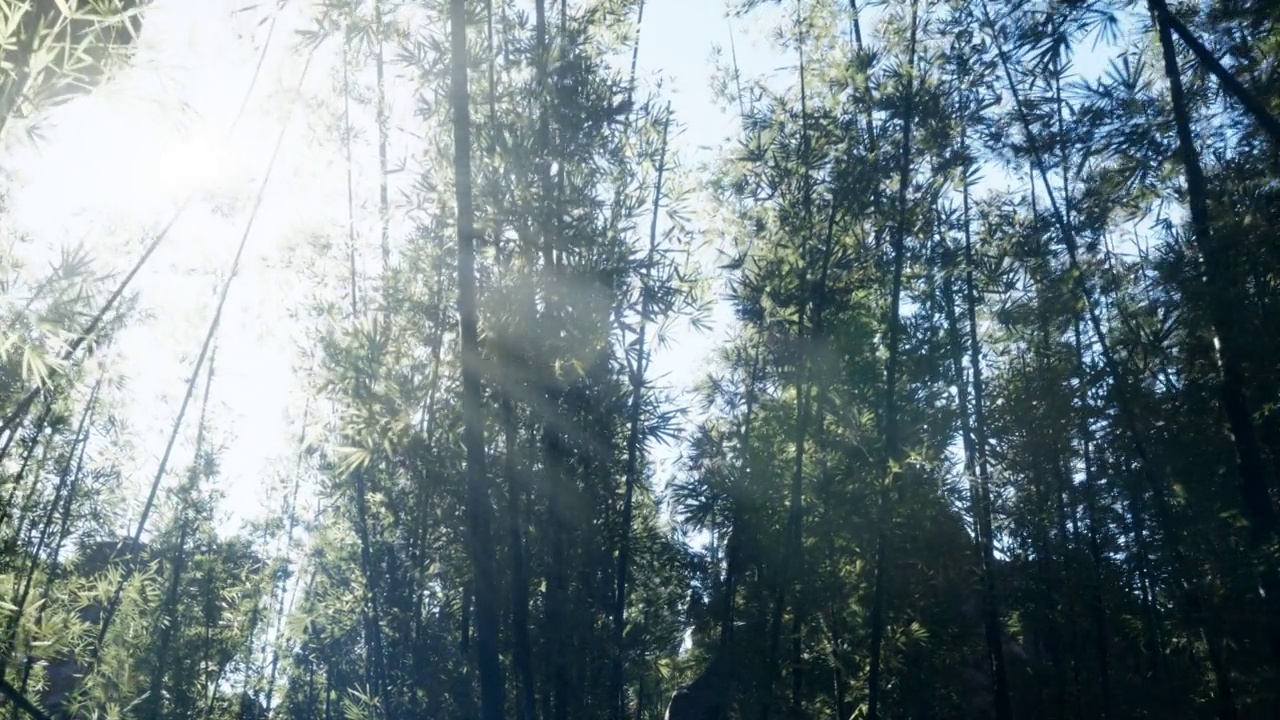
992 435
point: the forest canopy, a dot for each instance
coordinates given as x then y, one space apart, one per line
945 385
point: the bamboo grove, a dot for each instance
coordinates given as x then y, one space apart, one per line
994 435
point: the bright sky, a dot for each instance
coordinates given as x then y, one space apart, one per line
111 167
115 165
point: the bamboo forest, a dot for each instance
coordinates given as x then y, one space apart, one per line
639 359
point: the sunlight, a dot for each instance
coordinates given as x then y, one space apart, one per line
198 161
108 168
141 167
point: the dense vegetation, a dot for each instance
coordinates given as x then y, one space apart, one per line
996 435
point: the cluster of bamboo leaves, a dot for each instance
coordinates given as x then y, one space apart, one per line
52 50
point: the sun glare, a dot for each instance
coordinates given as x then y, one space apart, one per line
116 164
108 169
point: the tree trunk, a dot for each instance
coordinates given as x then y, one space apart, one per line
1101 643
384 210
523 653
891 440
376 667
634 448
478 510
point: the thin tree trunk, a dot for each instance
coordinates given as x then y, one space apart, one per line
169 608
526 704
891 440
738 530
1101 642
553 438
328 691
991 607
840 682
351 199
795 517
376 661
291 518
634 449
478 510
523 652
384 210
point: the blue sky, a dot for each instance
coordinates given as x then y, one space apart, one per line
678 39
